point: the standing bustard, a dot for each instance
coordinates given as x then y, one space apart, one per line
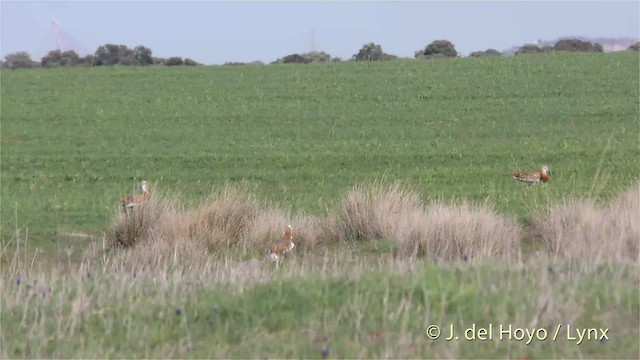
132 201
532 178
283 246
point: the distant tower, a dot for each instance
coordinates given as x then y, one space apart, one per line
56 32
313 40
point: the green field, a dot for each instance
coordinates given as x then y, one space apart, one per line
298 138
75 140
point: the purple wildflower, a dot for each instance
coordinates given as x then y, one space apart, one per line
325 352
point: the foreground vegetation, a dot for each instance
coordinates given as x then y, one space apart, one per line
395 178
368 282
344 304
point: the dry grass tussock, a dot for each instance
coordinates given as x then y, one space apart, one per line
438 231
581 229
230 218
223 220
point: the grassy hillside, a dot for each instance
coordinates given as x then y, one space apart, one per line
75 140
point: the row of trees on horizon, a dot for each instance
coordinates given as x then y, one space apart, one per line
111 54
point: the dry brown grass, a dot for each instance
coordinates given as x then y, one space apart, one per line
581 229
438 231
223 219
132 226
447 232
232 218
358 220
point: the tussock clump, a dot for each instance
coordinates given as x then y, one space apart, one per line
268 227
371 214
393 204
310 232
438 231
358 217
580 229
624 221
265 229
133 225
223 219
451 232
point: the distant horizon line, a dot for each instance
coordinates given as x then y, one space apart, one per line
628 40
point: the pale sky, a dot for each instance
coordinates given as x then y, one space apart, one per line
214 32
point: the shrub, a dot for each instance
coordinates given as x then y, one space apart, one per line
318 56
142 55
580 229
528 49
18 60
174 61
190 62
223 219
358 218
87 60
111 54
634 47
57 58
438 49
438 231
575 45
294 59
52 59
132 226
372 52
488 52
449 232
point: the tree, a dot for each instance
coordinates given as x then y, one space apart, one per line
294 59
69 58
111 54
488 52
317 56
87 60
106 55
174 61
372 52
51 59
438 49
528 49
57 58
634 47
143 55
190 62
18 60
575 45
